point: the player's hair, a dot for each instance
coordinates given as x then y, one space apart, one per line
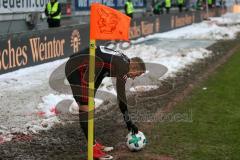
140 64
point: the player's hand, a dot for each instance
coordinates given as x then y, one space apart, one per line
132 127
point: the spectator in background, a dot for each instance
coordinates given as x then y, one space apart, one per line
199 5
187 5
167 5
210 3
223 3
158 8
53 13
149 7
180 5
129 9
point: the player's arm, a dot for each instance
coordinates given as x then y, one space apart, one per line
122 100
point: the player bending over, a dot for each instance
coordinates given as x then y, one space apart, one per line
106 65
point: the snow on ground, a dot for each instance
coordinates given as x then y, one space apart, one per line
174 61
227 19
206 30
144 88
28 103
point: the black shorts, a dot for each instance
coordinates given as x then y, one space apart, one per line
76 71
79 87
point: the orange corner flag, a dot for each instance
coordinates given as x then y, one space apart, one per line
108 24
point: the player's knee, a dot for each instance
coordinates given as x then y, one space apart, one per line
83 108
83 113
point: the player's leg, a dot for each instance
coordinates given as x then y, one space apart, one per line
83 119
98 149
79 86
82 100
100 77
75 79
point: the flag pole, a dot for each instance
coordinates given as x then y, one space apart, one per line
121 31
91 99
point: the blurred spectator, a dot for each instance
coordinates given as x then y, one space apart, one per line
149 7
187 5
180 5
199 4
158 7
129 9
210 3
222 3
53 13
167 5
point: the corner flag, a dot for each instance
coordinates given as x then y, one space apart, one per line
108 24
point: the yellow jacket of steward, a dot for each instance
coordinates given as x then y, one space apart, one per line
180 1
168 3
52 9
129 7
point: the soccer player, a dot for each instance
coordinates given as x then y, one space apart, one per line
106 65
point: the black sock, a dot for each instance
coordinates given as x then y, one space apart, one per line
83 118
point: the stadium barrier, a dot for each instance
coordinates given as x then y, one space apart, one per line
32 48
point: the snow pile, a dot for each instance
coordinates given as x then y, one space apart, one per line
207 30
173 61
5 135
24 78
49 110
182 59
145 88
48 107
227 19
107 86
42 124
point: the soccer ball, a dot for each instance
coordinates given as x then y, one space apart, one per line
136 142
